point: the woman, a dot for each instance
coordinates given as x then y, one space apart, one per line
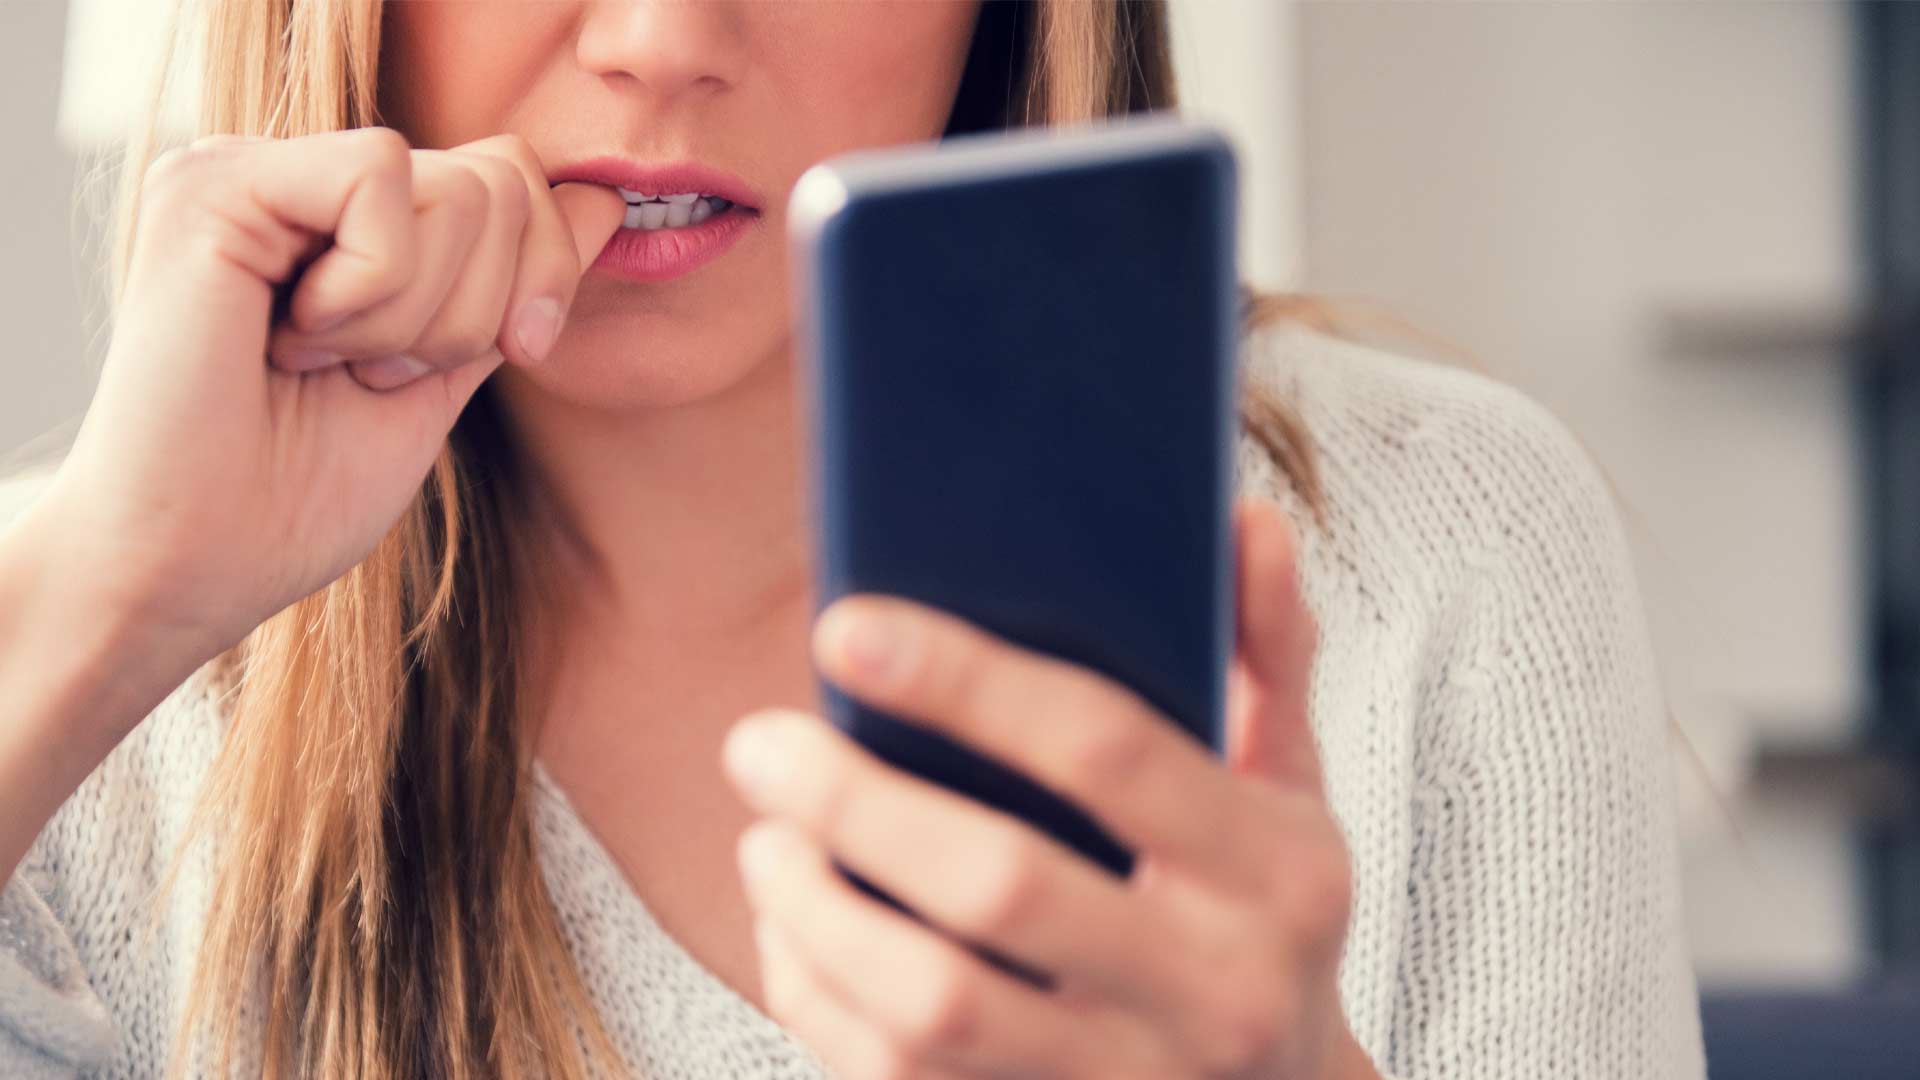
445 611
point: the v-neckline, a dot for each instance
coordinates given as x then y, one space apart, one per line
628 959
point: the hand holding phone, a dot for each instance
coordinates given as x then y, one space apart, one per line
1019 372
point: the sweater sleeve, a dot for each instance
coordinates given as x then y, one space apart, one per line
1544 930
52 1024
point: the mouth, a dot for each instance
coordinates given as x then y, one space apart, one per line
679 217
656 194
677 211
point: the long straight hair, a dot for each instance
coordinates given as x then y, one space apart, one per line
377 907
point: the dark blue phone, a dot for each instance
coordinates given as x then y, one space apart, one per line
1018 357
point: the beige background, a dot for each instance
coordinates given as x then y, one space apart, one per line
45 368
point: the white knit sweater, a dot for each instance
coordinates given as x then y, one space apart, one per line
1485 704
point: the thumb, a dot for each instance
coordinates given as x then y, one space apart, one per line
1268 733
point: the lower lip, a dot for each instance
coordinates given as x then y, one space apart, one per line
664 254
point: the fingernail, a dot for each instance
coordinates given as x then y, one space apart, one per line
869 644
537 327
752 754
308 359
390 372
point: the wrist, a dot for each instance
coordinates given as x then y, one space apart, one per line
92 651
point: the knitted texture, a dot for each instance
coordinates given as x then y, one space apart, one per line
1484 703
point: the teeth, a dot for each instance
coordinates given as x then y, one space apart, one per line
671 211
632 196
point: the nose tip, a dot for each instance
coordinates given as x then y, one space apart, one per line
669 47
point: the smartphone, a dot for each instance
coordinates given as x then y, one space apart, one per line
1018 370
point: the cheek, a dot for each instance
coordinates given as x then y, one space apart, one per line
452 73
873 73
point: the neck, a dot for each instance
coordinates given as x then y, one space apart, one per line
670 596
672 521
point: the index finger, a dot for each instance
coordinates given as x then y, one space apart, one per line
592 213
1070 729
567 225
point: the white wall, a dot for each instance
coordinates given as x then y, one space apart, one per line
1237 63
1543 184
45 371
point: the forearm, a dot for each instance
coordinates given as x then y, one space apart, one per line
80 666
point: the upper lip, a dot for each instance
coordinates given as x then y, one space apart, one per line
666 179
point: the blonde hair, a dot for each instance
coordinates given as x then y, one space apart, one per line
377 894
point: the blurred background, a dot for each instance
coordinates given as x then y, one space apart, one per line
1692 230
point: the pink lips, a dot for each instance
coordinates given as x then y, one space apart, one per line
654 255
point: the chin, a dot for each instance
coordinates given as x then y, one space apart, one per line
632 361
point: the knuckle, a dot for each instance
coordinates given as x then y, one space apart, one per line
472 339
513 148
465 193
956 674
889 1063
388 273
790 995
199 237
389 268
928 671
228 142
173 173
509 191
380 337
786 996
1248 1025
453 346
383 147
1107 755
1011 889
779 993
504 182
947 1016
167 162
834 801
1328 905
